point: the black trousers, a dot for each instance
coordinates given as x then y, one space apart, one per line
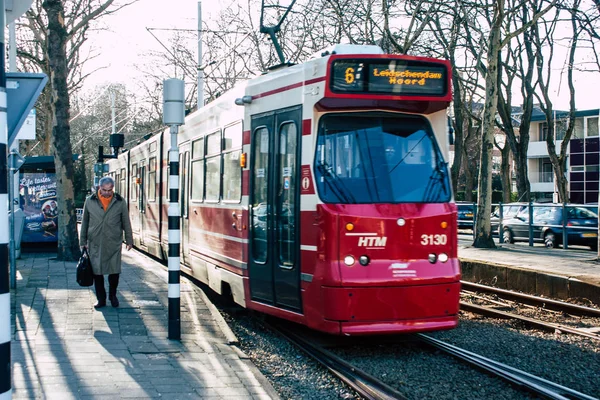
113 282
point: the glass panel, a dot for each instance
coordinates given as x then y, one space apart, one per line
213 178
578 131
379 158
183 184
233 136
260 175
198 148
232 176
134 185
543 131
197 180
213 143
592 126
287 187
152 179
123 185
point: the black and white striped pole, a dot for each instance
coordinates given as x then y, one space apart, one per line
5 329
173 117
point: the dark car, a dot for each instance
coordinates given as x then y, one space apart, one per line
465 215
581 222
509 210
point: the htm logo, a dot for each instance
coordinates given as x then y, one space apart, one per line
372 241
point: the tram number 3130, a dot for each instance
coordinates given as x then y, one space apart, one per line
438 240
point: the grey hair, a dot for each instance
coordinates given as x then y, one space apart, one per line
106 180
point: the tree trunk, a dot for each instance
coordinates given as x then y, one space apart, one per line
506 174
468 179
458 131
483 231
68 246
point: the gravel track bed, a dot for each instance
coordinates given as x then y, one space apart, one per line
421 372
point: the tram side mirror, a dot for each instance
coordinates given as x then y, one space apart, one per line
450 135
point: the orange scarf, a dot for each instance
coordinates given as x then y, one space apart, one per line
105 201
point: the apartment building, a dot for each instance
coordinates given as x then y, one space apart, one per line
583 165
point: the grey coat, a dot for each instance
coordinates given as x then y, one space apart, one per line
102 232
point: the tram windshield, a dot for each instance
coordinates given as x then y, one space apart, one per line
379 158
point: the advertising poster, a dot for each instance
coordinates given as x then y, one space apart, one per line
38 202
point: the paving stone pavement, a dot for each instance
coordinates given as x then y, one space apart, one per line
62 348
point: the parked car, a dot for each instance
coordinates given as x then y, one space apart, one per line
509 210
465 215
582 226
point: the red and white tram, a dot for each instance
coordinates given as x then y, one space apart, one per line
318 193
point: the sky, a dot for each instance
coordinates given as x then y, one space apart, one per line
127 40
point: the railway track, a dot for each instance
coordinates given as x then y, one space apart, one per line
539 386
540 302
537 301
364 384
370 387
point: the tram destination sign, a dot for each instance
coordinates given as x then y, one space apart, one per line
389 77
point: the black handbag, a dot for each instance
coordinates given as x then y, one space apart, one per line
85 275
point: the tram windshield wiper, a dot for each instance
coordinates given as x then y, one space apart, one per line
335 183
436 187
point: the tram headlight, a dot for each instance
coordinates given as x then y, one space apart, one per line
432 258
349 261
364 260
443 257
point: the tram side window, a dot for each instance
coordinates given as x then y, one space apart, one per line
152 179
232 171
134 185
213 167
183 184
197 185
122 185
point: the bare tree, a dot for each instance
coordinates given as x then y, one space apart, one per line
57 38
492 41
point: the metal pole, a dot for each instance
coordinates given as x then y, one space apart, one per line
11 246
530 223
12 179
174 239
5 327
112 107
173 117
200 69
564 226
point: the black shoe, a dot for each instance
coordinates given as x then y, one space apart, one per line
113 300
100 304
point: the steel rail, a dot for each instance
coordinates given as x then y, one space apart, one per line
534 300
540 386
364 384
549 326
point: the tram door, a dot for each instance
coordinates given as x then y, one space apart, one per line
142 201
275 208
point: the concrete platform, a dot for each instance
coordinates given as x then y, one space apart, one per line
62 348
557 273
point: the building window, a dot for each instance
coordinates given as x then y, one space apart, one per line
591 126
578 132
543 131
546 171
